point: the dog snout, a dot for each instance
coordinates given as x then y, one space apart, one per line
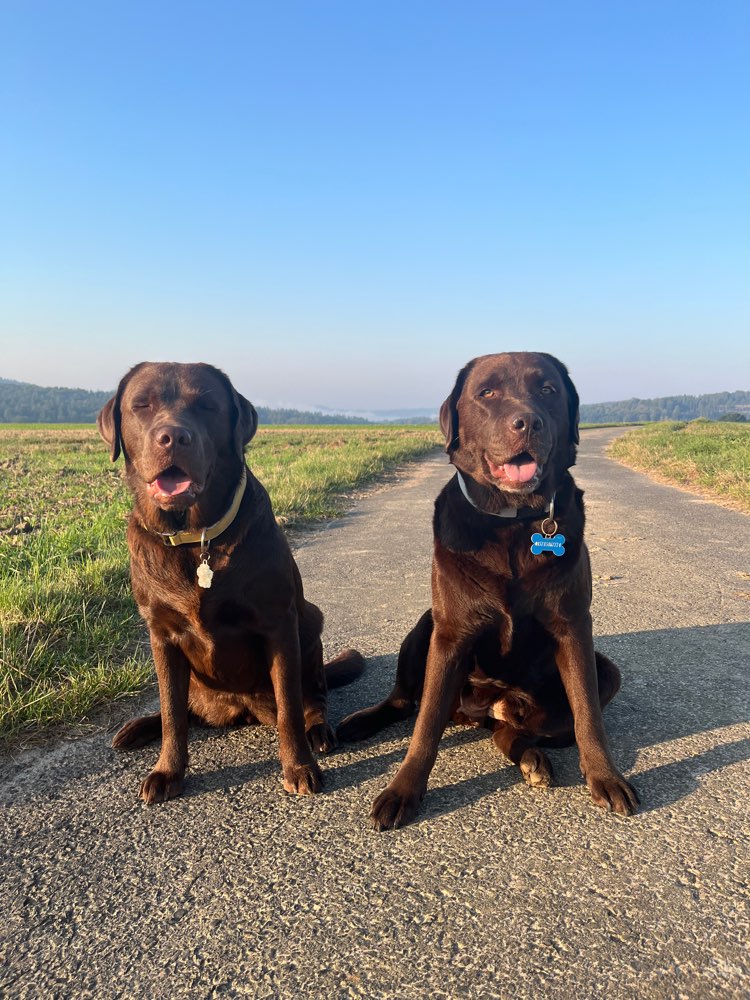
526 423
172 436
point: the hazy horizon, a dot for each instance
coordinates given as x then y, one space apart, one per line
398 412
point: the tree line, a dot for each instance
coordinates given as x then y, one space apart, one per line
22 403
712 406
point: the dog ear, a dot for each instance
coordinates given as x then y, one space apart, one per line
449 410
244 414
247 420
108 424
109 420
573 401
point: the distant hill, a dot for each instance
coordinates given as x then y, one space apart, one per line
713 406
22 403
401 415
268 415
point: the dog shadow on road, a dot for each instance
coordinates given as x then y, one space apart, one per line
683 709
679 716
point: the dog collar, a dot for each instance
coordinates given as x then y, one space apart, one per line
519 513
205 534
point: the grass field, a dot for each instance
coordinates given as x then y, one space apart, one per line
710 458
70 636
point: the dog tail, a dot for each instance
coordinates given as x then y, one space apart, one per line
344 668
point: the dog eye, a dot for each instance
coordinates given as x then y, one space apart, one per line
486 393
140 404
548 389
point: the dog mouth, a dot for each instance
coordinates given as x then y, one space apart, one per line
521 473
173 487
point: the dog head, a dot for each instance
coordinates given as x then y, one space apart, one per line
177 426
511 421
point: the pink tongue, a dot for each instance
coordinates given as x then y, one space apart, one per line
171 485
520 472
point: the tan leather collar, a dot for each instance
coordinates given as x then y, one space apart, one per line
205 534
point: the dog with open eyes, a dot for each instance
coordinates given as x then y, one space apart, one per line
508 641
233 638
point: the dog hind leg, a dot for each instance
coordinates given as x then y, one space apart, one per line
521 749
138 732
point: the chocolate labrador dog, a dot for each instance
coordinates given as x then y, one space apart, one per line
233 638
508 641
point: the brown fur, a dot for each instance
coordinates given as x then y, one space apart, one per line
508 641
248 649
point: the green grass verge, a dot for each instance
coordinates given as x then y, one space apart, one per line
71 639
709 457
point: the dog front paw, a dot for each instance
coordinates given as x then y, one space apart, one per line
161 785
613 793
303 779
393 809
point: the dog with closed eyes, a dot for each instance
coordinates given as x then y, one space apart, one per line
233 638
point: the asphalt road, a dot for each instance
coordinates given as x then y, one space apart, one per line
498 890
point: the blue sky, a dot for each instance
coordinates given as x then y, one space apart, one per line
340 203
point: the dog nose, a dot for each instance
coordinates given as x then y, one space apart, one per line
526 422
170 435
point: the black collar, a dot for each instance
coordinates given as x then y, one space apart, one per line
509 513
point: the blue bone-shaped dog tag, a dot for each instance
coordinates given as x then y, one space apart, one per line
545 543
